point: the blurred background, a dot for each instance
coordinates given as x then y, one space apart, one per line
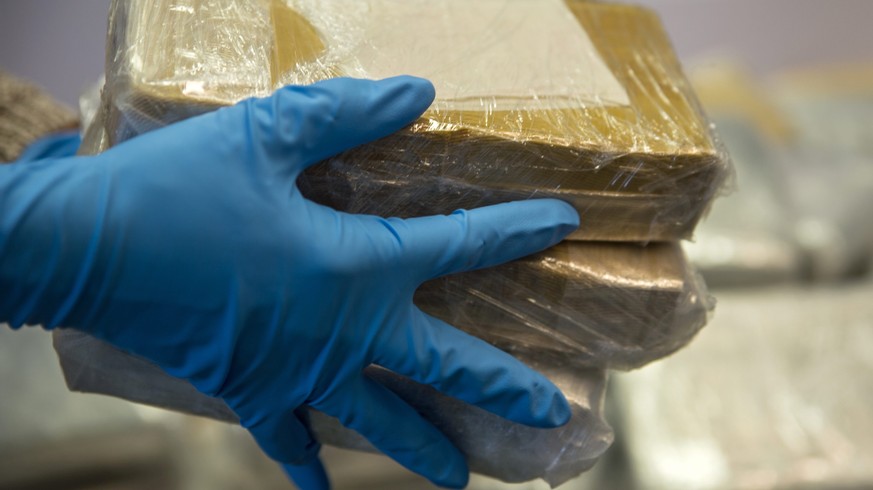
774 393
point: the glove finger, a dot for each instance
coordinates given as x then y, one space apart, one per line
285 438
460 365
483 237
310 476
313 122
397 430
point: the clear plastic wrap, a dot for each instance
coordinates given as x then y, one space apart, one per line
493 446
775 394
579 304
611 306
576 100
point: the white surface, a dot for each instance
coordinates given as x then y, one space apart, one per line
60 43
483 55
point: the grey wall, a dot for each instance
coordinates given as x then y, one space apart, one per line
60 43
770 35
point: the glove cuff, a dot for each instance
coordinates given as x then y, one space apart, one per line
28 113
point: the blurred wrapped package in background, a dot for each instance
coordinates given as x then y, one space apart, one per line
805 180
584 102
830 168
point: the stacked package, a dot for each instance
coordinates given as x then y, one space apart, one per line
831 173
535 98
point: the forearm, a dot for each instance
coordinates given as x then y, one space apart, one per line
48 239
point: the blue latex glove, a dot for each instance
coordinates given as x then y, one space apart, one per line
57 145
192 247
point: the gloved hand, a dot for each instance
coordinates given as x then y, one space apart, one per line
192 247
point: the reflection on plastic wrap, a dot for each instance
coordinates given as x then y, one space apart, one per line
775 394
593 109
493 446
604 305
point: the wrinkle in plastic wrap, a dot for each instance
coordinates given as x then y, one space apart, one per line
616 306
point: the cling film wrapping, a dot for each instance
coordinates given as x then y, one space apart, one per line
575 100
580 101
493 446
606 305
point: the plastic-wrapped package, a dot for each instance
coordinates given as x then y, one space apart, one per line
535 98
749 238
608 305
617 306
581 101
493 446
578 304
775 394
